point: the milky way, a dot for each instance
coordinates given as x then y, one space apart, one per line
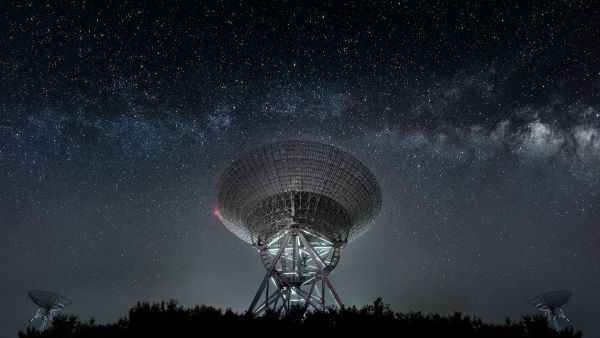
482 124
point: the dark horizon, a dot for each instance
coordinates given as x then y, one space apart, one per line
169 319
480 121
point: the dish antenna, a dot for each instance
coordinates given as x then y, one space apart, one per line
49 303
550 303
298 203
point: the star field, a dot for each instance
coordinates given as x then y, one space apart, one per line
481 122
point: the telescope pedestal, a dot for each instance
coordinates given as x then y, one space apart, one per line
298 264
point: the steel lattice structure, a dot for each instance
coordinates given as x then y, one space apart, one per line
299 203
550 303
49 304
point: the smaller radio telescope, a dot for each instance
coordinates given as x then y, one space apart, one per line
550 303
49 303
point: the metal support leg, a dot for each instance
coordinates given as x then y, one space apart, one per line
269 272
323 293
267 293
38 314
295 269
273 299
310 295
320 271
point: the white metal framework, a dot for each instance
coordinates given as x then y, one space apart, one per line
296 261
49 304
550 303
299 203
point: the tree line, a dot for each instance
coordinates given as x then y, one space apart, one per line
168 319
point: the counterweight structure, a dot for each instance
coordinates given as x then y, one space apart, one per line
299 203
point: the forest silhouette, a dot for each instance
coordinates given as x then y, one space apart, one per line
168 319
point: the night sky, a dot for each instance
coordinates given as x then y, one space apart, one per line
481 122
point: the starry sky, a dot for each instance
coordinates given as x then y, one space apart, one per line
481 121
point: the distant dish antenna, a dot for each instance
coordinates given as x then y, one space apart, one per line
49 303
550 303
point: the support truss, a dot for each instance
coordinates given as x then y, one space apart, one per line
298 263
553 315
47 316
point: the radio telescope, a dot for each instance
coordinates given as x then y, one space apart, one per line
299 203
550 303
49 303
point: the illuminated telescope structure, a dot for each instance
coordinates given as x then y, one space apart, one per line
551 303
49 304
299 203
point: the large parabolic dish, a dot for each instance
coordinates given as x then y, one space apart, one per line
299 203
551 299
334 193
49 300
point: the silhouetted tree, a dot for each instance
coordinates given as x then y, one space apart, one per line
168 319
